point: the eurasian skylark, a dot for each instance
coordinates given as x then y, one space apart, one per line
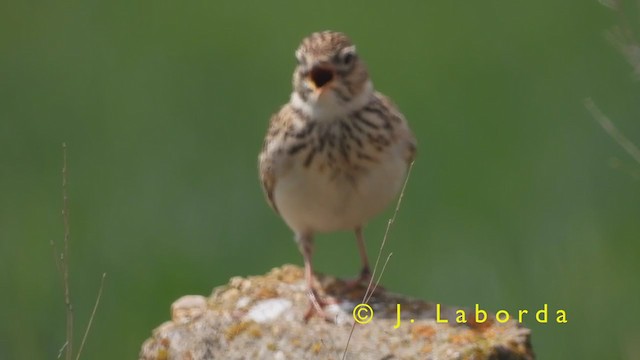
337 153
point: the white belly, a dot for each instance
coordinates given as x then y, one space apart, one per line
310 201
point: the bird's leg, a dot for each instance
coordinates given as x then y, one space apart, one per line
365 273
316 305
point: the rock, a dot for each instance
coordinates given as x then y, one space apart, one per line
261 317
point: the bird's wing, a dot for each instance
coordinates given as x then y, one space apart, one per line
272 147
404 133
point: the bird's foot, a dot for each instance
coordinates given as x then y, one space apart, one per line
316 307
360 282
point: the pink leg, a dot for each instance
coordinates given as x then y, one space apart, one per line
305 242
365 273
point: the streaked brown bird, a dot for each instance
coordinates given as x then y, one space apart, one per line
337 153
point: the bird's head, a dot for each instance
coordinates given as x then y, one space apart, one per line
329 75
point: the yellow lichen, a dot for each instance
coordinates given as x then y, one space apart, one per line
316 347
162 354
235 330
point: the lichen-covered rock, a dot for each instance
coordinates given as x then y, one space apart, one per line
261 317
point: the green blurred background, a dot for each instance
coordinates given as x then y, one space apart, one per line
518 197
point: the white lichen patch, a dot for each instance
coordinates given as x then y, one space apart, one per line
268 310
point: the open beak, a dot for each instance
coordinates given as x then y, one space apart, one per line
320 76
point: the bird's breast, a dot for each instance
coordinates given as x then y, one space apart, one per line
331 189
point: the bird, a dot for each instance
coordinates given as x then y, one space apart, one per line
337 154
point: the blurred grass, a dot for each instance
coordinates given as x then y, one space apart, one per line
512 202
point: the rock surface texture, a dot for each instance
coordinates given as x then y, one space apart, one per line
261 317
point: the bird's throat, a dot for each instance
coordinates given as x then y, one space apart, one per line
324 104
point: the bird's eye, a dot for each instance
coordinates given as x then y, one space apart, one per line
348 58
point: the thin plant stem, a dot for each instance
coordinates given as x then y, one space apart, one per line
611 129
93 315
370 289
64 263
